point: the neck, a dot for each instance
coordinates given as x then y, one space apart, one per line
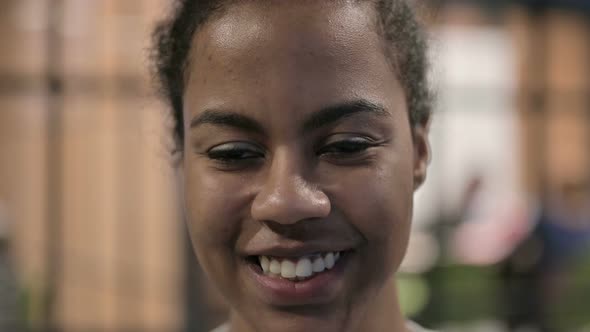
380 313
384 313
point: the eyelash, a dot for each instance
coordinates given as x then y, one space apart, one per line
233 155
347 147
341 150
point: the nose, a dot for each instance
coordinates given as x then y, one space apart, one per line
286 197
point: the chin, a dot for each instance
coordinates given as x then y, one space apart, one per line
303 318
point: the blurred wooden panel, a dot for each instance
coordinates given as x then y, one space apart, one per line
23 180
107 38
23 31
120 237
568 135
121 226
88 211
554 62
568 42
463 14
85 38
520 25
164 268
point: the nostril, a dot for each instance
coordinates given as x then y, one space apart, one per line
300 230
291 211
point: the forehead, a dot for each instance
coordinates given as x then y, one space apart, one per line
298 54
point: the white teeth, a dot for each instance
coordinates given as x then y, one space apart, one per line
288 269
329 260
275 266
318 264
303 268
265 264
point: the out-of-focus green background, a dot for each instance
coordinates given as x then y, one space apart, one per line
91 235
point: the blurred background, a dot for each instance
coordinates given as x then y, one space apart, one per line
91 234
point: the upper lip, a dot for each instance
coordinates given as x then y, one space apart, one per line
296 249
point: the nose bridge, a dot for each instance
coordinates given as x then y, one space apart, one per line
286 196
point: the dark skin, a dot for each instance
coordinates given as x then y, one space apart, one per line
298 133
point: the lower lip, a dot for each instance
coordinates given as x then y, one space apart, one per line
320 288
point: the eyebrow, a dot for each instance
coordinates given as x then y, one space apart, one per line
324 117
227 118
332 114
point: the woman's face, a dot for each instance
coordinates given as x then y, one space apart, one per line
298 148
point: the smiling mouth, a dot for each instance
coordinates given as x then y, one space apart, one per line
297 269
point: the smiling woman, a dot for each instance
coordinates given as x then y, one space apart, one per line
303 132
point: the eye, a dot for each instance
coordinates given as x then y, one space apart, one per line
235 153
346 148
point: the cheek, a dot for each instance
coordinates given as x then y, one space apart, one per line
214 209
378 203
384 209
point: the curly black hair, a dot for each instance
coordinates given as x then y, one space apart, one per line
405 45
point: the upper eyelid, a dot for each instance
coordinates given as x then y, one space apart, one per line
353 137
357 146
347 134
347 143
258 146
324 141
